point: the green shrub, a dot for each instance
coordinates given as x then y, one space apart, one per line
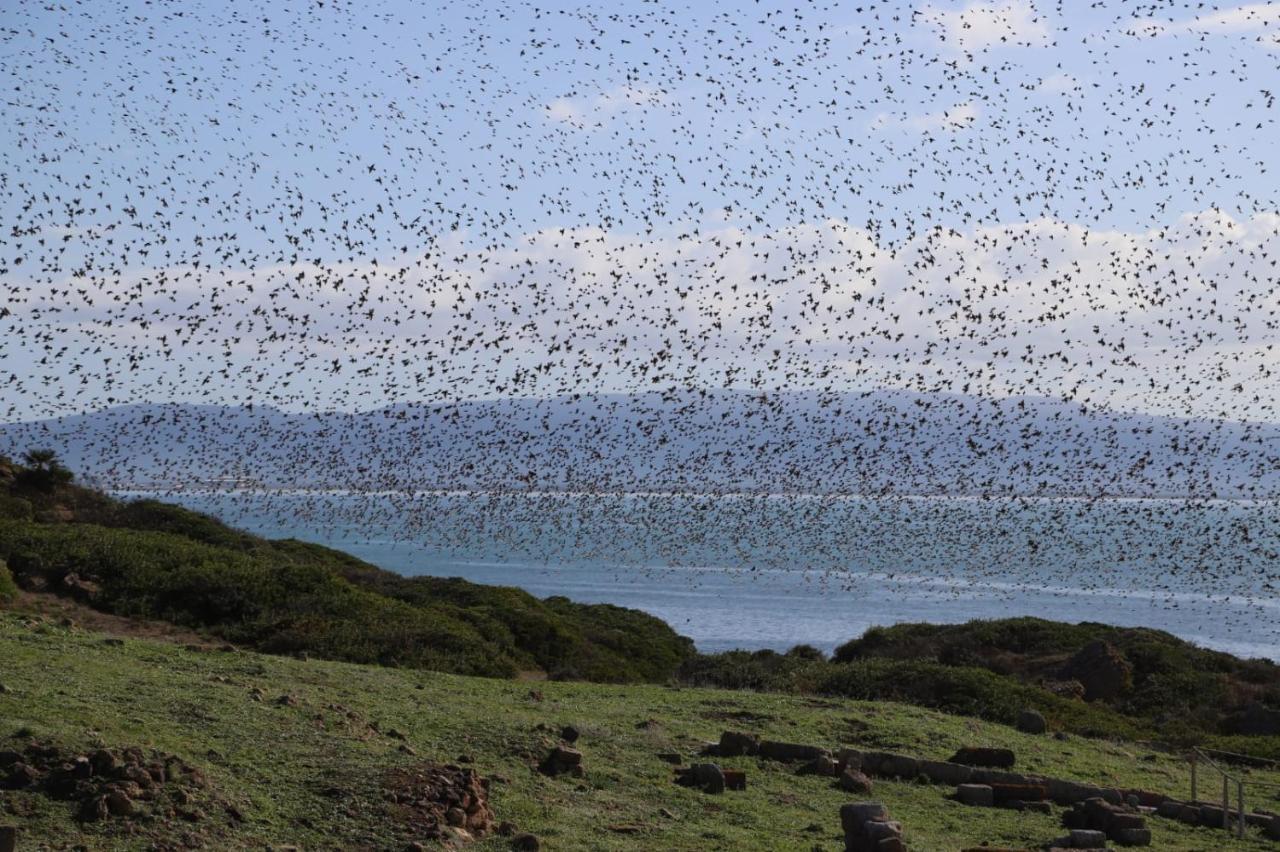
15 508
287 597
8 588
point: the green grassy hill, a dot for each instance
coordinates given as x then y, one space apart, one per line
313 770
147 559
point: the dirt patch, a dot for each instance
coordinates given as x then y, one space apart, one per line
63 610
439 802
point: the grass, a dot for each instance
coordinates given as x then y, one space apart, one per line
309 775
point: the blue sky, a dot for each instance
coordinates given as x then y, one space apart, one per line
170 154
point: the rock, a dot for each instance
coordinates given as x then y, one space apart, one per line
879 829
21 776
854 814
1132 836
455 817
735 779
849 758
978 795
569 734
1169 808
1101 669
997 758
853 781
1189 814
93 809
104 763
823 766
942 772
1018 792
1031 722
562 759
1123 822
790 752
1272 830
1084 838
1146 798
8 838
1211 815
900 766
737 744
120 804
526 842
707 777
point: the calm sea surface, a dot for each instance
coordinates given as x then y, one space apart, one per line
776 571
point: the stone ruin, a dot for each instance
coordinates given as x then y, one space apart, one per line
1123 824
106 784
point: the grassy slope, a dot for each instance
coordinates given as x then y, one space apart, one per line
275 762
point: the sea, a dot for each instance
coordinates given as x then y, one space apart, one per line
756 571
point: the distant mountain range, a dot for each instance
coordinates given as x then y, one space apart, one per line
869 443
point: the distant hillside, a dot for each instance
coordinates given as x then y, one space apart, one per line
885 441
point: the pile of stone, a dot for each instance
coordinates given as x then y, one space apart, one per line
441 802
105 783
1123 824
867 828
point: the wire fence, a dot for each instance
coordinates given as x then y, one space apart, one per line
1201 756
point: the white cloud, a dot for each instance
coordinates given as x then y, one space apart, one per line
981 25
577 111
1058 84
1041 306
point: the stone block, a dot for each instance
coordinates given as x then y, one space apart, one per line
788 752
977 795
941 772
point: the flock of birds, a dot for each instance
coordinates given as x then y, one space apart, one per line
997 249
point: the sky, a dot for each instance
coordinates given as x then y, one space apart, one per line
321 205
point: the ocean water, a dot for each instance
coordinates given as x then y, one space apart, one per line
773 571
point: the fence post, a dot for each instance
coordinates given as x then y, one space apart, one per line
1193 776
1226 803
1240 804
